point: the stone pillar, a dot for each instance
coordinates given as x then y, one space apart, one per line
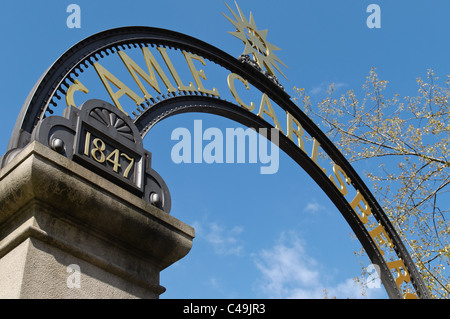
66 232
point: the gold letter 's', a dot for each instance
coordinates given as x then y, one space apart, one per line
197 74
356 203
230 81
106 76
298 132
174 73
76 86
342 188
150 78
265 101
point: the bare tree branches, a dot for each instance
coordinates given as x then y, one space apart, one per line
409 140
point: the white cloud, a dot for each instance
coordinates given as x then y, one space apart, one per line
287 271
316 90
224 241
285 266
323 87
313 207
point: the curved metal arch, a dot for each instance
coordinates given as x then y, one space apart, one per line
187 104
59 77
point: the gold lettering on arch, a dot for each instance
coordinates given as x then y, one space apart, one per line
339 177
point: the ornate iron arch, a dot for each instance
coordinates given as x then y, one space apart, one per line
57 79
188 104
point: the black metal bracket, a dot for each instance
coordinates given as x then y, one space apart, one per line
105 140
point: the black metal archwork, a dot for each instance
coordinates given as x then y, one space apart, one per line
55 82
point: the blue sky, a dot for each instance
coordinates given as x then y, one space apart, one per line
257 236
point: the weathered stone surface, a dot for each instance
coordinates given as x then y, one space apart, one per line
54 213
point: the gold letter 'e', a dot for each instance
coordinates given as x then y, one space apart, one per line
197 74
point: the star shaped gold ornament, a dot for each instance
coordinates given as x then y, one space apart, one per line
255 42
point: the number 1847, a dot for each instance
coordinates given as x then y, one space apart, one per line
99 154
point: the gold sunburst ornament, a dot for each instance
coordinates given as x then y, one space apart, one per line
255 42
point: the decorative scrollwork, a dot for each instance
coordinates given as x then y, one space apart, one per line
110 119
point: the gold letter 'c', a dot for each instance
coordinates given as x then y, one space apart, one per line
230 81
76 86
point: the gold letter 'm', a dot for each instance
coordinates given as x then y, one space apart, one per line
150 78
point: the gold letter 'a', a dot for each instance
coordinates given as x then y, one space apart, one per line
107 77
